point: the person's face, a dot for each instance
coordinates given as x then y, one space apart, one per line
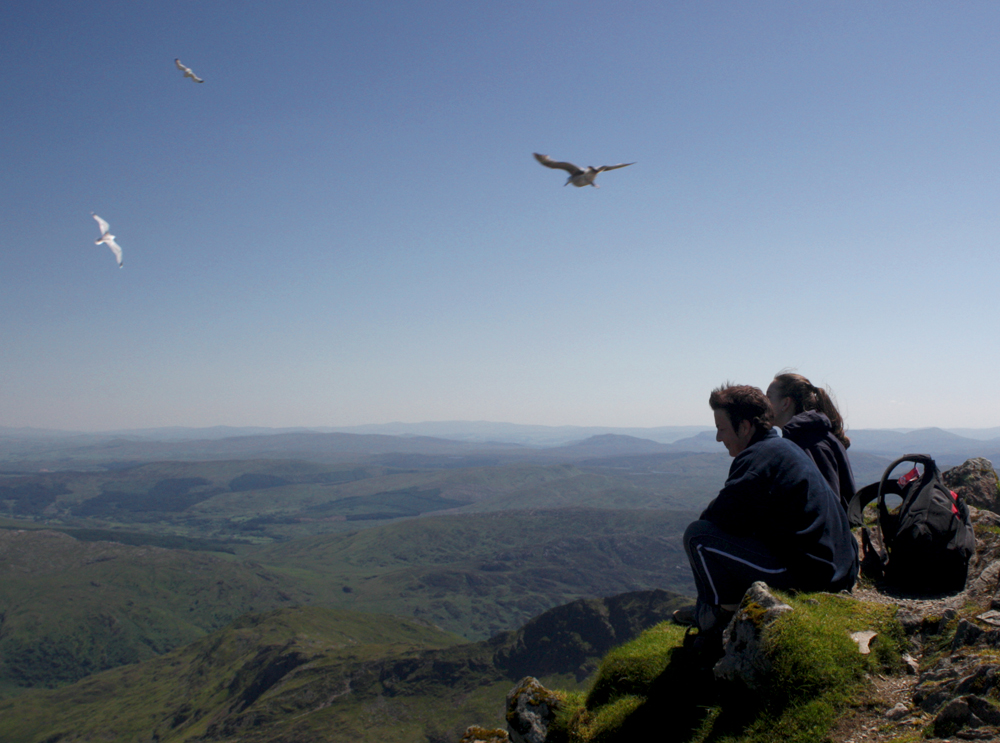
783 407
735 439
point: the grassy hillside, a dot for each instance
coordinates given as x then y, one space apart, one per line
478 574
312 674
70 608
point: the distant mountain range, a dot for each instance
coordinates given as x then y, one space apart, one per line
439 444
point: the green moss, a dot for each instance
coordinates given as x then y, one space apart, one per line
817 674
603 726
631 668
813 654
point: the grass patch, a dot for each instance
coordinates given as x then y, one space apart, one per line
817 673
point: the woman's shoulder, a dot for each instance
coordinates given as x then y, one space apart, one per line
807 426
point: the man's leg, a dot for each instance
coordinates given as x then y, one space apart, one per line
724 567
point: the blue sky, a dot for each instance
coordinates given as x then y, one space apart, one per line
344 223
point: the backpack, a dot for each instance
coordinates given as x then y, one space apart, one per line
928 541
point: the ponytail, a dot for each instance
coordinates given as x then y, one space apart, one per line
807 396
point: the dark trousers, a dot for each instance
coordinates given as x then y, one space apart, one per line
725 566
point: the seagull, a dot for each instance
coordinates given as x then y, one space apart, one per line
108 239
188 72
578 176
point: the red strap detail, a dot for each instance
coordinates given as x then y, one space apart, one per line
908 477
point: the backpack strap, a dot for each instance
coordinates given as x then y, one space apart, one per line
864 496
888 522
873 559
861 498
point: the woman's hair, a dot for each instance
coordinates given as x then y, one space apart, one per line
741 402
807 397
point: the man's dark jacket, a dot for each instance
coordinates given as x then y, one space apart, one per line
812 431
776 494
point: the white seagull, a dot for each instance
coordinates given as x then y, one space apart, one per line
578 176
108 239
188 72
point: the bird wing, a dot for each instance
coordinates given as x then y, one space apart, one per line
101 223
548 162
115 248
613 167
188 72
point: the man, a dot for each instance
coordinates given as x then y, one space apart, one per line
776 518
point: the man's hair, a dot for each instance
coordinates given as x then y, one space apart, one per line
743 403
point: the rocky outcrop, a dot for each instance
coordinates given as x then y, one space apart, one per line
743 657
976 482
570 638
531 710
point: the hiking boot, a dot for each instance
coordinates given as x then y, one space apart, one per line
686 616
703 648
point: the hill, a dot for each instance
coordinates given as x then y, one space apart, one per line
479 574
71 608
236 503
312 674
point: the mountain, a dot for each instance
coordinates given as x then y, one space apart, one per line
233 503
701 442
526 435
70 608
479 574
311 674
937 442
610 444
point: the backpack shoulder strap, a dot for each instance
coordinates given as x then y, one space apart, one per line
887 486
861 498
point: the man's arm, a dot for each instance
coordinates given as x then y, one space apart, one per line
737 507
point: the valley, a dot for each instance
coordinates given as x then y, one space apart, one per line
188 578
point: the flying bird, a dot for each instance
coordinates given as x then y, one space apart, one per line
578 176
188 72
108 239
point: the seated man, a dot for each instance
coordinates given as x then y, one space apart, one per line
776 519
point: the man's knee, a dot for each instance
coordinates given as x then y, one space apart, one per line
696 530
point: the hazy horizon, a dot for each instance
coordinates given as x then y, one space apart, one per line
458 424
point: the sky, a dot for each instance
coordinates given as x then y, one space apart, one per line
344 223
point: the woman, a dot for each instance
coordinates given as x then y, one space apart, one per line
808 416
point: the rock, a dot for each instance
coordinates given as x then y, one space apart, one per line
991 617
966 634
864 639
898 712
976 482
744 658
476 734
983 710
967 712
952 717
531 709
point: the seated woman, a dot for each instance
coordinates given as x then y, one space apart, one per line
807 415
